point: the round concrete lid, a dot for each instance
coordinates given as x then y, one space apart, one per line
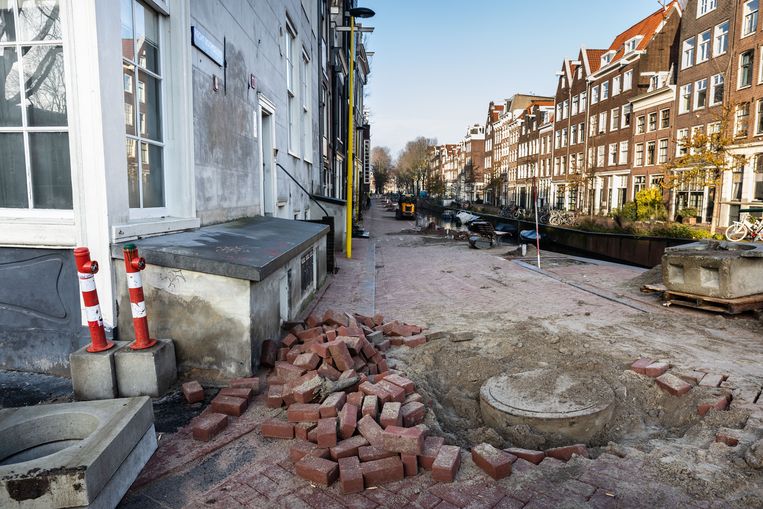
547 394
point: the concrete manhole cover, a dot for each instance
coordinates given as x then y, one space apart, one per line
569 405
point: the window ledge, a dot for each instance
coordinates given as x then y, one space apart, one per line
148 227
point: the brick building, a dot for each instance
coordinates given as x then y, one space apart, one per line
530 121
492 179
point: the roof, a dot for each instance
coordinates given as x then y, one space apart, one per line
594 58
646 28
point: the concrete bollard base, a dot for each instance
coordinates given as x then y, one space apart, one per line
148 372
93 373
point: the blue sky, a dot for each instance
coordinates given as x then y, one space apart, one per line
438 63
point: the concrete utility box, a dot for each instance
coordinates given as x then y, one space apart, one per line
221 290
722 270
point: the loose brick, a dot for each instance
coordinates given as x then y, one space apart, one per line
229 405
307 361
408 386
446 464
396 392
384 345
277 429
275 396
341 355
317 470
331 405
414 397
309 334
283 354
655 369
375 390
378 319
300 448
431 449
640 365
692 377
303 412
307 391
350 331
353 341
375 337
371 453
288 371
718 403
382 471
726 438
268 353
355 398
237 392
207 426
331 335
404 440
301 429
326 432
494 462
370 406
672 384
435 335
348 420
566 452
326 370
414 341
331 317
371 431
412 414
711 380
368 349
289 340
350 475
193 392
390 415
396 340
251 382
312 435
410 464
313 320
320 349
527 454
348 447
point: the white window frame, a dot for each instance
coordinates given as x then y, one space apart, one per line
688 52
292 79
721 39
638 154
616 85
706 6
715 81
697 89
605 90
614 119
750 18
704 46
685 91
628 80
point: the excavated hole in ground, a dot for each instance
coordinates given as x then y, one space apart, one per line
450 375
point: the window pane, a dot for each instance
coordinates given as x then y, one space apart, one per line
7 25
128 78
13 192
128 42
44 83
152 171
149 107
147 37
10 98
51 174
39 20
132 174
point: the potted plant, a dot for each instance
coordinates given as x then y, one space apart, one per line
688 215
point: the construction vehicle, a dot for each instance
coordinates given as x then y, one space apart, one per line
406 206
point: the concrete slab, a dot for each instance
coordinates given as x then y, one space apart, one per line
93 373
65 455
250 248
148 372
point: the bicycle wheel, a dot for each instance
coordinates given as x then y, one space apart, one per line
736 232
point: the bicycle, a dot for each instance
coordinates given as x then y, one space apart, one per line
744 228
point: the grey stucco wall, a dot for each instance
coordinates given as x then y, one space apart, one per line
39 310
226 150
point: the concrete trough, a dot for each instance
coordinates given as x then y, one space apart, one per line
83 454
722 270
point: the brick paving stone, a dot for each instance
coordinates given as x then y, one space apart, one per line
300 449
410 464
527 454
446 505
640 365
331 405
348 447
413 413
508 502
273 428
672 384
432 446
359 501
451 493
447 463
301 429
386 498
396 393
390 415
370 406
404 440
566 452
326 432
727 438
370 453
275 396
382 471
494 462
350 475
193 391
318 498
716 403
655 369
521 466
229 405
317 470
237 392
371 430
692 377
209 425
711 380
348 420
303 412
427 500
307 361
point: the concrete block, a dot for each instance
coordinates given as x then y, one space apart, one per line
148 372
93 373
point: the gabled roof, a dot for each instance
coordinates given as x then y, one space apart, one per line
646 28
593 57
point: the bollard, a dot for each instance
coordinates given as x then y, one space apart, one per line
86 269
134 264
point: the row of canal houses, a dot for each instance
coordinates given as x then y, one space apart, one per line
621 114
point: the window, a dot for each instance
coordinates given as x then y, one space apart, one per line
684 104
703 48
640 124
705 6
716 90
602 122
141 61
750 17
627 114
652 122
593 125
290 43
759 120
565 108
581 132
612 154
614 119
616 81
574 134
742 119
558 139
564 137
631 44
745 69
639 155
605 90
623 152
628 80
662 151
695 132
650 153
307 121
721 44
664 119
700 94
575 105
600 156
681 140
687 59
583 98
639 184
595 94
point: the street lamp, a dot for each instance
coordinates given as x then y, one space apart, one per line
355 12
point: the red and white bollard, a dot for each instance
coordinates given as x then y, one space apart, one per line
134 264
86 270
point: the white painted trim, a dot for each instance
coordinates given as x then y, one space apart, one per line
266 105
132 230
54 233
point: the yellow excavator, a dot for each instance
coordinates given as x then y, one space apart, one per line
406 206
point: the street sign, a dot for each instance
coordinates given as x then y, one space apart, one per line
204 44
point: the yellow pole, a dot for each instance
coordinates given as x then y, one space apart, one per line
350 142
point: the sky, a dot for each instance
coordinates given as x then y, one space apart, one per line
437 64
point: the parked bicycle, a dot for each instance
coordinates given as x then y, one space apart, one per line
561 217
746 227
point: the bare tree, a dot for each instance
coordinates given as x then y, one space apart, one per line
413 161
381 165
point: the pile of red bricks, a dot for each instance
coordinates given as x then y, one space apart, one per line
680 383
369 433
231 401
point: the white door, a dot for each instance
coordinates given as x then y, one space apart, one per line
267 156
